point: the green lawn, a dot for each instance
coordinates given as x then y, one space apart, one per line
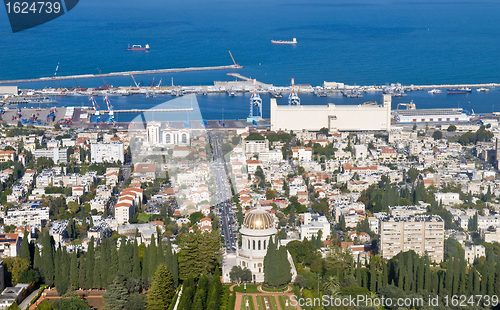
272 302
251 288
259 303
282 302
144 217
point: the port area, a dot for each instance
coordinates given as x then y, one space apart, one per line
84 118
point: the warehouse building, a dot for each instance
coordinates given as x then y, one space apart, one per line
368 117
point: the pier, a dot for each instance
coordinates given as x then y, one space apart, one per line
152 110
86 76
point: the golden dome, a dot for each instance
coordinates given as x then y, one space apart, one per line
258 219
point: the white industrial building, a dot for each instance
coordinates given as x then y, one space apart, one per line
430 116
331 116
106 152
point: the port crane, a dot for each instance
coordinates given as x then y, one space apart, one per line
111 118
409 106
94 105
136 85
235 64
105 84
255 101
293 98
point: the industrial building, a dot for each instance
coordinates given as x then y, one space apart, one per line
372 116
430 116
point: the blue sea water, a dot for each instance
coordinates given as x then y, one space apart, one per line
356 42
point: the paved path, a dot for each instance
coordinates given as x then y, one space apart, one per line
28 299
178 299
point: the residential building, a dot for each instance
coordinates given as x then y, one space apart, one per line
474 252
58 155
107 152
422 234
313 223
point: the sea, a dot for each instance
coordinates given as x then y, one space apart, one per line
372 42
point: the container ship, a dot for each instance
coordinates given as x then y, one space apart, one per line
138 48
294 41
459 91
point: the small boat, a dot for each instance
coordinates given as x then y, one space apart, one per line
138 48
275 93
482 89
462 90
434 91
294 41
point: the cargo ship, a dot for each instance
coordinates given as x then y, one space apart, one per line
459 90
138 48
294 41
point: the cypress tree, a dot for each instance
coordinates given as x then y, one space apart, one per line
213 301
152 257
470 281
497 279
160 254
113 262
89 282
74 271
188 292
358 272
373 277
97 281
421 274
456 277
270 264
463 277
477 283
448 282
175 269
47 259
36 258
24 253
105 260
145 264
136 261
82 275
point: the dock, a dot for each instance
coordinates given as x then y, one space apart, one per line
87 76
152 110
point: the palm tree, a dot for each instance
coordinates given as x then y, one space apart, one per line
331 286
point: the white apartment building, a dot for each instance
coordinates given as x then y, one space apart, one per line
418 233
447 198
302 153
253 147
313 223
26 216
107 152
474 251
483 222
58 155
153 133
407 210
271 156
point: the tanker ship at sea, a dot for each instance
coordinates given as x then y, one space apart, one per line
294 41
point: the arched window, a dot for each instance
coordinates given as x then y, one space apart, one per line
259 244
248 245
167 139
253 244
264 244
184 138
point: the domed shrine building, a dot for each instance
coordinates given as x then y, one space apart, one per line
258 226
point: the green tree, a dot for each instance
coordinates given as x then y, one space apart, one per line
24 253
451 128
116 297
162 289
437 135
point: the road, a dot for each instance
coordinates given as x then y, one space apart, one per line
224 201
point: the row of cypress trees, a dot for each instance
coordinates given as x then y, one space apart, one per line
134 264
